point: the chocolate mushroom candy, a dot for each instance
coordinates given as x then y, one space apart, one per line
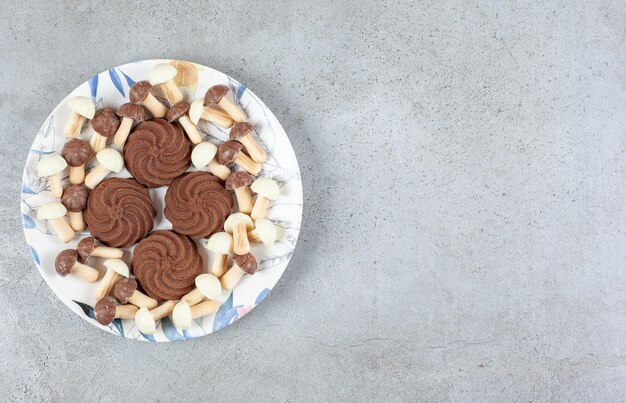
239 224
203 155
163 74
82 109
54 212
230 151
207 286
76 152
129 113
239 182
106 310
183 314
146 319
115 269
140 94
126 291
243 264
266 190
87 247
178 111
105 123
242 132
52 167
198 111
264 231
67 262
218 95
75 201
221 244
109 160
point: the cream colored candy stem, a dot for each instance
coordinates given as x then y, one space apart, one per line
62 229
56 187
244 199
219 170
105 286
218 111
74 124
248 164
108 252
87 273
77 222
172 92
191 129
204 308
253 236
241 246
95 176
122 133
260 207
218 117
156 108
140 299
77 175
97 142
193 297
232 277
162 310
218 267
233 110
254 149
126 311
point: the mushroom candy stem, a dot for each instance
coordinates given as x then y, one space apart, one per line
238 224
82 108
126 291
239 182
140 94
203 155
221 244
207 286
163 74
87 247
115 269
183 314
123 131
55 212
266 190
52 167
218 94
178 111
67 262
198 111
110 161
243 264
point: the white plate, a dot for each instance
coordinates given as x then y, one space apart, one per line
110 89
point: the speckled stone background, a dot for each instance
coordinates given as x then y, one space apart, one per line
464 169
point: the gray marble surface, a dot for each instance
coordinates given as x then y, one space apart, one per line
463 235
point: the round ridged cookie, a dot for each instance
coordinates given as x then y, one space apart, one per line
197 204
119 212
166 265
157 152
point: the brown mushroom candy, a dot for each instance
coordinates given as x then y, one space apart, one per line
129 113
218 95
239 182
242 132
178 111
67 262
75 201
243 264
106 310
76 152
87 247
126 291
105 123
140 94
230 151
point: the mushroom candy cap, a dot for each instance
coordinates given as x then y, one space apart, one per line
76 152
246 262
51 210
83 106
238 179
139 91
235 219
85 248
124 289
132 111
266 187
161 73
177 110
195 110
220 242
75 198
209 285
202 154
111 159
214 94
65 261
228 151
266 230
104 310
50 164
118 266
240 129
105 122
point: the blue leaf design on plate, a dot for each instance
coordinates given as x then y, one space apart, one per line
115 79
148 337
28 222
86 308
40 152
117 323
262 296
93 87
129 80
225 315
34 253
240 90
26 189
169 330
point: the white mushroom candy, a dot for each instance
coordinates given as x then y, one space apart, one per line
207 286
266 190
203 155
52 167
82 108
146 319
115 269
221 244
238 224
183 314
55 212
110 161
198 111
163 74
264 231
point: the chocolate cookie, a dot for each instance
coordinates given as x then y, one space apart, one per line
197 204
119 212
157 152
166 265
